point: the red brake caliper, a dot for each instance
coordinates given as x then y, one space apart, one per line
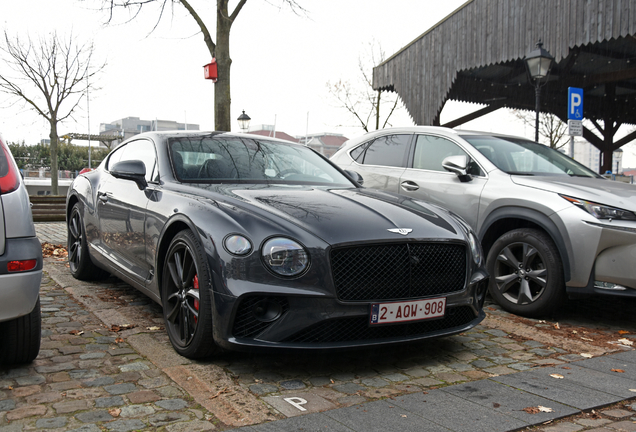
195 285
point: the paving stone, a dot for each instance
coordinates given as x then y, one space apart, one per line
395 377
319 381
118 389
136 411
263 389
125 425
617 413
193 426
137 366
374 382
482 364
71 406
623 426
592 422
26 411
83 374
162 419
292 385
143 396
7 405
39 398
349 388
51 423
30 380
563 427
86 428
92 355
172 404
105 402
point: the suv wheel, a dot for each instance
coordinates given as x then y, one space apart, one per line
526 276
80 263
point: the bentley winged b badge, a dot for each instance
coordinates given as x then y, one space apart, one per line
403 231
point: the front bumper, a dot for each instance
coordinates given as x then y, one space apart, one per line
19 291
307 322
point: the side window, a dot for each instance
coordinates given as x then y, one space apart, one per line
142 150
387 151
430 151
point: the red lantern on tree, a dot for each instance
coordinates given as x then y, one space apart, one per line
210 71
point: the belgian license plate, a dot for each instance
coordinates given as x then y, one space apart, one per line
396 312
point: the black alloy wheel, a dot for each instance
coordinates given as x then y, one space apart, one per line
80 263
526 276
186 298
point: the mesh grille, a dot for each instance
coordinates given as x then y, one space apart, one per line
245 324
357 328
398 271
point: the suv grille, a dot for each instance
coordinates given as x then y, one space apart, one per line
398 271
357 328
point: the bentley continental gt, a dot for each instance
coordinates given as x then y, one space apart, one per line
252 242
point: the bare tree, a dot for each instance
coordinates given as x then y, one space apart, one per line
220 50
49 76
364 103
553 130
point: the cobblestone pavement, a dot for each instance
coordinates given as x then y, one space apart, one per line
106 365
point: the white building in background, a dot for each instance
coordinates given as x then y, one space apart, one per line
130 126
590 156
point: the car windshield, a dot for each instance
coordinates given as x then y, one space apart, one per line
216 159
524 157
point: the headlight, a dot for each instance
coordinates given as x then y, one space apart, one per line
600 211
237 244
475 248
285 256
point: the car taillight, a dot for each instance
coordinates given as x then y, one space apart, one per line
9 180
21 265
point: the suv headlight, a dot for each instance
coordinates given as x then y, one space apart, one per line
284 256
601 211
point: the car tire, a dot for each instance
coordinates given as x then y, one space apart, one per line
186 289
526 274
80 263
20 337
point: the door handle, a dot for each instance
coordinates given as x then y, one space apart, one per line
103 197
409 186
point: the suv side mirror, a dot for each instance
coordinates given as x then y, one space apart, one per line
134 170
459 165
355 176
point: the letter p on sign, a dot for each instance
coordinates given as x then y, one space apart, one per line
575 103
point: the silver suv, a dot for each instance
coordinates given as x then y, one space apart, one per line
20 268
549 225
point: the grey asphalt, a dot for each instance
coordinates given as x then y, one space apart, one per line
498 403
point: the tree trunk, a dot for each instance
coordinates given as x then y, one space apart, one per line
53 148
222 98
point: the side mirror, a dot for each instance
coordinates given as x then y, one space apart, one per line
459 165
134 170
355 177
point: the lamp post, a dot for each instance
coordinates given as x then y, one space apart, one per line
538 64
618 155
244 122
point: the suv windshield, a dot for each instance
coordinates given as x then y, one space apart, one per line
524 157
210 159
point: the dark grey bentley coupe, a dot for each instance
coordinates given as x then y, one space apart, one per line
253 242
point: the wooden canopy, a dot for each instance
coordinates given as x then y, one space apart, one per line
476 54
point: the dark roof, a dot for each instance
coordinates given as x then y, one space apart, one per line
476 55
279 135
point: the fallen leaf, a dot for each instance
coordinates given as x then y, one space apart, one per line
624 341
622 332
632 390
404 415
545 409
76 332
574 332
119 340
114 412
566 367
220 392
557 326
532 410
153 328
495 405
541 321
557 376
618 370
586 355
587 339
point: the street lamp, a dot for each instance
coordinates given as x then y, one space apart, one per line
538 63
618 155
244 122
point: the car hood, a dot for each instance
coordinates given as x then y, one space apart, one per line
602 191
342 215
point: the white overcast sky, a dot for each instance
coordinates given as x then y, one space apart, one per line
281 63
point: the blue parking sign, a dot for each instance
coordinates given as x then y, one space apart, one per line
575 103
